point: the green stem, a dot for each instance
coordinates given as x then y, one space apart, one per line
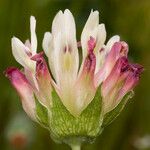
76 147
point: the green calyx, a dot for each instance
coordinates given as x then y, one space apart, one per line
64 127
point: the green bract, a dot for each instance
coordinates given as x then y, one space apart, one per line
64 127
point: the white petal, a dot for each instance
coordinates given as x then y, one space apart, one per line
28 44
111 42
64 57
100 40
101 37
70 29
57 46
49 51
33 35
47 43
57 23
65 53
19 52
89 27
100 57
64 24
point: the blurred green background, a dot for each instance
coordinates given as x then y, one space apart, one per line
128 18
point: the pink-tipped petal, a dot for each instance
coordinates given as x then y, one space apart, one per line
44 79
24 89
90 29
132 79
113 84
90 60
117 72
119 49
84 86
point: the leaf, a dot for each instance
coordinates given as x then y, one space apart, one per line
113 114
42 113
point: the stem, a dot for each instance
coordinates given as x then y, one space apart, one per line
76 147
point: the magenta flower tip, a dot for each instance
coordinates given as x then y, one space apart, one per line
12 72
137 69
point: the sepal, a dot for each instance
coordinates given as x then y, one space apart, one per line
42 113
64 126
110 116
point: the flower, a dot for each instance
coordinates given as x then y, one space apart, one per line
73 101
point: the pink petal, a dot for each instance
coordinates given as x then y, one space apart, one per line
16 77
23 88
90 60
43 79
132 79
117 75
118 50
84 89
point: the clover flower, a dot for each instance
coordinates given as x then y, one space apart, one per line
74 102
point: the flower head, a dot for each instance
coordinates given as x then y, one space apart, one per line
69 96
